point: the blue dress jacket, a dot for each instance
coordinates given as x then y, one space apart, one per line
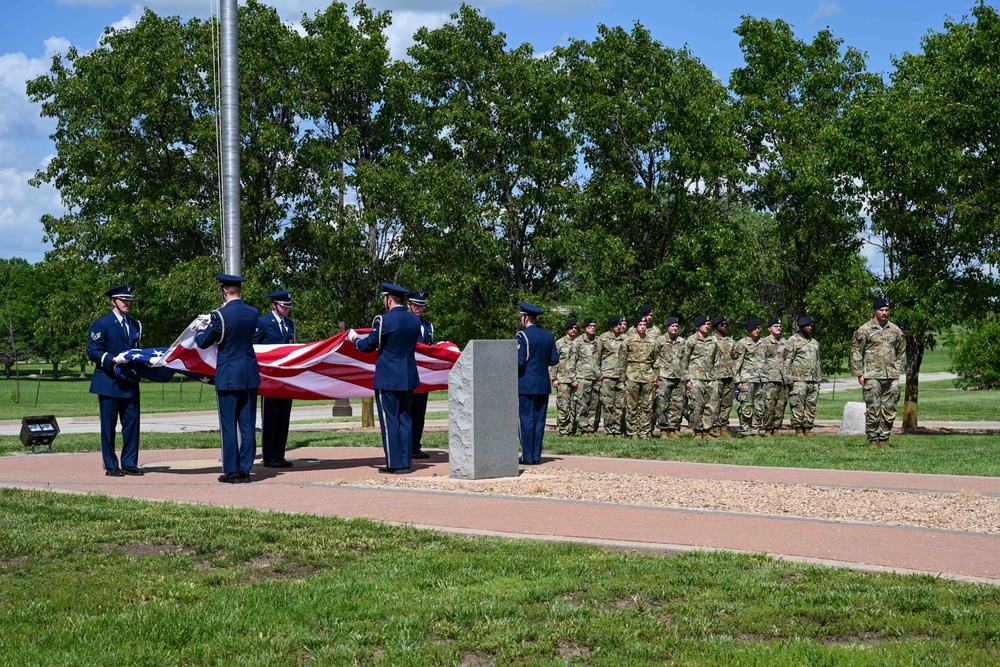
269 333
394 336
105 341
233 327
536 351
426 332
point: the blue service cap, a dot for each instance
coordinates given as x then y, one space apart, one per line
417 298
123 292
701 319
880 302
394 290
528 309
226 280
281 297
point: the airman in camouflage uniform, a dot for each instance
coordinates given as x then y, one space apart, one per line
772 367
670 391
698 362
640 368
562 380
585 372
612 385
722 401
878 358
802 370
645 313
748 358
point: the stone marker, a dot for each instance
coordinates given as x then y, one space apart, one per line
482 411
854 419
342 407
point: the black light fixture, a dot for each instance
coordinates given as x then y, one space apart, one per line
39 431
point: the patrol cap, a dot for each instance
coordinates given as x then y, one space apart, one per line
528 309
588 321
281 297
646 309
880 302
417 298
774 320
394 290
670 320
752 324
701 319
718 319
804 321
227 280
123 292
614 321
570 323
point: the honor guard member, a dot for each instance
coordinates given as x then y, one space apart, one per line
772 374
275 328
802 372
670 390
747 355
585 371
231 328
536 352
117 393
417 302
878 358
698 361
723 399
394 336
612 384
562 380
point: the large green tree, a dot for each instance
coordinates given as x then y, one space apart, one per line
18 310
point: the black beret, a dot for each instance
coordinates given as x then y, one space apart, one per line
646 309
638 319
880 302
752 324
718 319
774 320
614 321
570 323
804 321
701 319
670 320
588 321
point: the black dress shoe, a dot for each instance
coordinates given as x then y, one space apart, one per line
135 471
527 463
230 478
245 477
114 472
419 454
395 471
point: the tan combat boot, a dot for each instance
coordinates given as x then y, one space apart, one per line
800 433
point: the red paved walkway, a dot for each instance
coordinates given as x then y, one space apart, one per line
321 484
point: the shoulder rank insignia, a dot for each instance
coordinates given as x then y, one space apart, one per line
96 335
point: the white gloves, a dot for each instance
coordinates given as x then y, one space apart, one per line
120 359
352 335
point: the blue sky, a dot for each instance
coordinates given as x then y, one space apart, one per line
37 29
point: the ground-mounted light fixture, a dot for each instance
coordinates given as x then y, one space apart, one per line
39 432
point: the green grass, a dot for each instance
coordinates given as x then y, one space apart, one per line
938 401
93 580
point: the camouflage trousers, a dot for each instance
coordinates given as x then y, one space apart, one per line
724 400
751 408
588 406
669 404
775 396
566 408
700 404
881 397
802 404
613 401
639 408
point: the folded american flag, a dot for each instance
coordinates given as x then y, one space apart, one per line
329 368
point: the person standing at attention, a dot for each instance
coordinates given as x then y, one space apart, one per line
417 303
275 328
536 352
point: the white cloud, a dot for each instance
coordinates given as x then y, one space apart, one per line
130 20
825 9
399 35
21 209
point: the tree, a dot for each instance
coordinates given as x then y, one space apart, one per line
17 311
927 147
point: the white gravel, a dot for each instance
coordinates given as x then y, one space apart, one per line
953 511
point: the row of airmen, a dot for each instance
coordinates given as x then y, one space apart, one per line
646 380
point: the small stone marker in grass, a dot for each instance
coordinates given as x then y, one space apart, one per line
854 419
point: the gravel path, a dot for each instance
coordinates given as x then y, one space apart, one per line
965 511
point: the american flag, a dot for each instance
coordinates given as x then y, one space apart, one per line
326 369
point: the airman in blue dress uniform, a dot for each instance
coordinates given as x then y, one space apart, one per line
394 336
237 377
536 351
417 302
275 328
117 392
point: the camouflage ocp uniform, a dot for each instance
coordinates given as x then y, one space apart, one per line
585 372
772 374
607 359
801 368
748 356
565 399
698 362
879 355
723 401
640 368
670 392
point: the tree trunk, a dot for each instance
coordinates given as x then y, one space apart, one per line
367 412
55 370
914 355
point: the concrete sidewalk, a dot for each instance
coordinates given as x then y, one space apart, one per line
323 482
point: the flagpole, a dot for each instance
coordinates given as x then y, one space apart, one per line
231 242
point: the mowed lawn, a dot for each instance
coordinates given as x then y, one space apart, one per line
93 580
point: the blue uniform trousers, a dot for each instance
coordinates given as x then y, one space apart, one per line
237 423
531 410
397 427
111 409
274 416
418 412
